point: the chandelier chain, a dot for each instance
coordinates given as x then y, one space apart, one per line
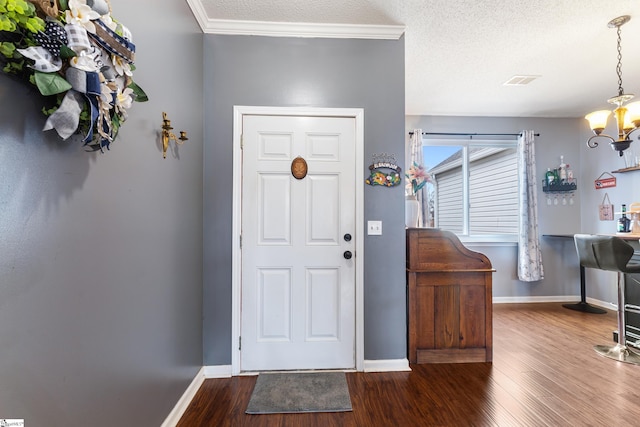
619 66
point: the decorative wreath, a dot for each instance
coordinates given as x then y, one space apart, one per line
80 59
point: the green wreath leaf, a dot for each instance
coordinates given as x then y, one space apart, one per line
7 49
140 95
66 52
51 83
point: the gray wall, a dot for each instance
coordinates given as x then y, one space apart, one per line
101 254
263 71
557 137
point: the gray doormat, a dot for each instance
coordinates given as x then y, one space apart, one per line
300 392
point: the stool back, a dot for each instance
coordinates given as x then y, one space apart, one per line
603 252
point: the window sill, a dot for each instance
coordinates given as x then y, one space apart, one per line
495 240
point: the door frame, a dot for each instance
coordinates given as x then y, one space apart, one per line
236 259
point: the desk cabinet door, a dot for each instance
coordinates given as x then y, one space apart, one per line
472 316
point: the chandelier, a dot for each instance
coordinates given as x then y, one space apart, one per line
627 116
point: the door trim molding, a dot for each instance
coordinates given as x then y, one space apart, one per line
236 262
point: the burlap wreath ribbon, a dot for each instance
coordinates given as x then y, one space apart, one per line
48 7
112 42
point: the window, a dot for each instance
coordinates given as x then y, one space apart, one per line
474 189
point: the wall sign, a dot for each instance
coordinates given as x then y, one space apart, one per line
384 171
606 182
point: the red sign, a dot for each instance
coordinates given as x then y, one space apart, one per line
605 183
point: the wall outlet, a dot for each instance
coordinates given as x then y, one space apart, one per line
374 228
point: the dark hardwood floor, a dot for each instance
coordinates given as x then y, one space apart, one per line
544 373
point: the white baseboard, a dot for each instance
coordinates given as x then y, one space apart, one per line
603 304
217 371
188 395
559 299
388 365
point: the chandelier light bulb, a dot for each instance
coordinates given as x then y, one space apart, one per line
598 120
633 113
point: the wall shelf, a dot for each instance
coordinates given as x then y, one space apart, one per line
634 168
564 187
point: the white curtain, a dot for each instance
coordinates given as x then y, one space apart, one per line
529 255
415 155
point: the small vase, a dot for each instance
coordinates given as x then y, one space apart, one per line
411 211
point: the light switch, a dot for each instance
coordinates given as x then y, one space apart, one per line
374 228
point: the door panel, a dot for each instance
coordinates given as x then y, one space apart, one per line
323 304
274 300
323 210
298 291
274 210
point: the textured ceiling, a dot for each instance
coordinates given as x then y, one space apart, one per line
460 52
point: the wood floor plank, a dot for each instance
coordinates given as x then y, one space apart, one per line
544 373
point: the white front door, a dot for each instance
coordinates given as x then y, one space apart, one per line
298 285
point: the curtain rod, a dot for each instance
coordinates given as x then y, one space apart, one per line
472 134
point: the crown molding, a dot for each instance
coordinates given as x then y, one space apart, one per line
303 29
292 29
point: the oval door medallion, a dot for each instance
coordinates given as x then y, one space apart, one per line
299 167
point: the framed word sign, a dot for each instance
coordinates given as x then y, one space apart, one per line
605 182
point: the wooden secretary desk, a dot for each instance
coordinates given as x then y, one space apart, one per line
449 299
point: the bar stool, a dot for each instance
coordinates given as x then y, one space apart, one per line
612 254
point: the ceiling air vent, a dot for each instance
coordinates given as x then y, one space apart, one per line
520 80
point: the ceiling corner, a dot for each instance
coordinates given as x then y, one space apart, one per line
199 12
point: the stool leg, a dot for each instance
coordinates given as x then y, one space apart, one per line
583 305
620 351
